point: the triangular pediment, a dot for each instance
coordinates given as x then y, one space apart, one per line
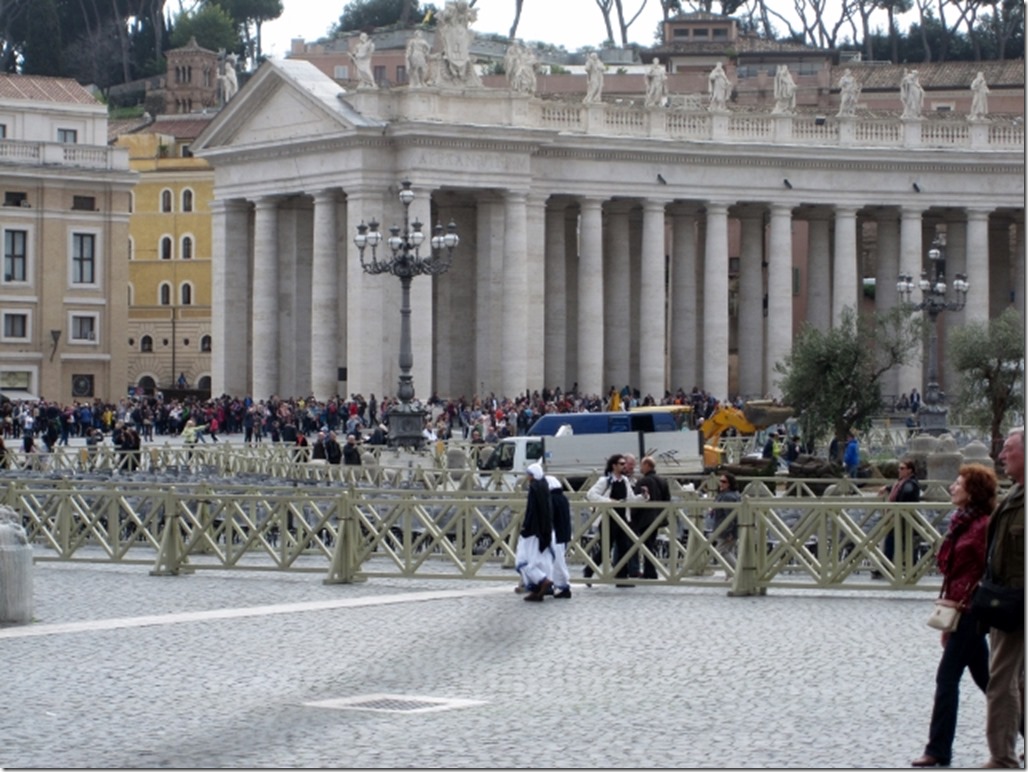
290 100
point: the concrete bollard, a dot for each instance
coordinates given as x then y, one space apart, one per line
15 570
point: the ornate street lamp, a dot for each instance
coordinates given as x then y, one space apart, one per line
406 420
933 302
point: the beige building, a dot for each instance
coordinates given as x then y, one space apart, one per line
596 240
169 268
66 202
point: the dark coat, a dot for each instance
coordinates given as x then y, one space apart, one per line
538 513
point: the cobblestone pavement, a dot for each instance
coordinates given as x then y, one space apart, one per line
225 669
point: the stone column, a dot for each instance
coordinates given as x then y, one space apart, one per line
652 303
886 277
264 303
1017 279
911 375
515 295
590 298
488 256
845 278
751 326
325 356
425 335
977 262
368 316
779 294
684 370
555 311
617 339
571 223
999 265
715 302
956 262
537 278
230 293
819 269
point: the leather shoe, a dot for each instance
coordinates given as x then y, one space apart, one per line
929 761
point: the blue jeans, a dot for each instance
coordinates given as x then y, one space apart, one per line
966 648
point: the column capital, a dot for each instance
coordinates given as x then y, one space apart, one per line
685 209
592 202
910 211
717 208
846 210
221 205
977 214
653 204
325 195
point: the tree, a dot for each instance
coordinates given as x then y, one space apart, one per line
990 360
43 49
247 13
834 377
370 14
211 26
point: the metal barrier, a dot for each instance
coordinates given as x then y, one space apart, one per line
355 531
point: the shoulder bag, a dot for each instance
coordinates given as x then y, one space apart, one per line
997 605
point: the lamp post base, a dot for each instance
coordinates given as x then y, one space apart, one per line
405 427
933 418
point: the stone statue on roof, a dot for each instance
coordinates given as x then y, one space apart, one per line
785 90
849 93
457 67
979 98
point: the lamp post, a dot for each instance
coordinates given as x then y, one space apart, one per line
933 302
406 419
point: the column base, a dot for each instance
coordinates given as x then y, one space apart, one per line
405 427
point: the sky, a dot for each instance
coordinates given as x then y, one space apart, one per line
571 23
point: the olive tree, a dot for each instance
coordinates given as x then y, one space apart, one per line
833 378
989 358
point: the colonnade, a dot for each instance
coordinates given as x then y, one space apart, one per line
556 289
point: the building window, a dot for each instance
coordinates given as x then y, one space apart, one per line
68 136
205 343
132 203
166 201
83 328
187 248
83 258
165 293
680 32
16 326
83 203
130 247
341 72
15 198
187 201
379 73
187 295
15 256
146 343
3 131
166 248
701 32
720 33
401 73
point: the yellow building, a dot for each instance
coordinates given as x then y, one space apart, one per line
169 268
64 224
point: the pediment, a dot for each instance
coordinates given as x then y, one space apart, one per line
286 101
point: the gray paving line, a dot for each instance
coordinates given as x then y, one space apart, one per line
150 620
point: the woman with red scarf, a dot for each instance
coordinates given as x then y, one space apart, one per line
961 561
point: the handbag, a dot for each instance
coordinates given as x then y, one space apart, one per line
998 606
945 615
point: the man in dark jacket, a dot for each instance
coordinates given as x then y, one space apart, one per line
654 488
333 452
1004 698
351 453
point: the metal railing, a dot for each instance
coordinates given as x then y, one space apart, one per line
353 531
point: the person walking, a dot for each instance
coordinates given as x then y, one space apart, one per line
562 530
1004 698
961 561
906 489
535 553
653 488
851 456
616 486
725 536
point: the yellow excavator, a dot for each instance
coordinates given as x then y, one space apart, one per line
754 416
